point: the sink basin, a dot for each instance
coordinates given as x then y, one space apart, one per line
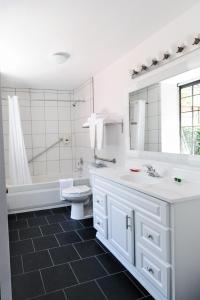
141 178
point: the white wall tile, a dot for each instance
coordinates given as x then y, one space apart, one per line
51 139
53 167
51 126
37 113
37 151
51 113
65 153
38 140
39 168
26 127
53 154
64 127
28 140
38 127
25 113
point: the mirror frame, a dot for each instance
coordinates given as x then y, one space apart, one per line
182 64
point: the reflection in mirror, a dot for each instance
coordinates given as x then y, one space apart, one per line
166 116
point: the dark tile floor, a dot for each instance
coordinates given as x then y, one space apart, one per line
56 258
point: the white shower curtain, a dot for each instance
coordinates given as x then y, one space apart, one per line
18 164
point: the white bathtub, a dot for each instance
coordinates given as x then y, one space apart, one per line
43 193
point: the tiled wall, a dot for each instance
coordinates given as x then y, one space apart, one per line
81 141
152 96
46 117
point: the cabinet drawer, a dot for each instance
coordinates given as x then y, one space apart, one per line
100 202
152 236
154 270
100 224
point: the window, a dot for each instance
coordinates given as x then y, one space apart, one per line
189 95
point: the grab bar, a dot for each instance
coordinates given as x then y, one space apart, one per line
44 151
106 159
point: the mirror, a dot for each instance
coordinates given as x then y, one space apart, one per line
165 116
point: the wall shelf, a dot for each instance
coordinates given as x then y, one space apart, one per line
108 123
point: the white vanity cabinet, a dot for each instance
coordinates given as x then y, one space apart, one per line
149 237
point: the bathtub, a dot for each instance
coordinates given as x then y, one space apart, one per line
41 194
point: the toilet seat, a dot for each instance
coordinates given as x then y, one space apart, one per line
76 193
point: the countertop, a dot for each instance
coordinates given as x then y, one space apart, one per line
164 188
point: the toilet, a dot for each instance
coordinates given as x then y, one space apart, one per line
77 196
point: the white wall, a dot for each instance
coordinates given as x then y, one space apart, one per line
111 84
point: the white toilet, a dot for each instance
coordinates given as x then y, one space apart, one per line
78 196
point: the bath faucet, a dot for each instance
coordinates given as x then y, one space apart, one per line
151 171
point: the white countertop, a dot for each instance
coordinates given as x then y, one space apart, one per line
164 188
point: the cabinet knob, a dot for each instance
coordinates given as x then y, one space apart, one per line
98 223
150 270
150 236
98 201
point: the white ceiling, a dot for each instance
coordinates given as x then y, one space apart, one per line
94 32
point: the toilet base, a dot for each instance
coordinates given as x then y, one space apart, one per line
77 211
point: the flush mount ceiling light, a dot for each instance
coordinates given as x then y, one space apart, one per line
60 57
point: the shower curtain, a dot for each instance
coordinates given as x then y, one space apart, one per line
18 164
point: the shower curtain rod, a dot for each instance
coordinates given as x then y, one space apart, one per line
53 100
37 89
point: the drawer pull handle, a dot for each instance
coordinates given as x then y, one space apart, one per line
150 237
127 222
150 270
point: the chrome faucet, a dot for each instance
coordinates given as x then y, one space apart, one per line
151 171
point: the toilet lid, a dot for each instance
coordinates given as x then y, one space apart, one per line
77 191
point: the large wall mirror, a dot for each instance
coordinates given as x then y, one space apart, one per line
165 116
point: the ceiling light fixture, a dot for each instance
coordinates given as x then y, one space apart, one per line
60 57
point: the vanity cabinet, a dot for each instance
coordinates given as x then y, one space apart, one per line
152 238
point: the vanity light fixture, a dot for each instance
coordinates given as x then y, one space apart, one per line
144 68
196 41
155 62
166 56
180 49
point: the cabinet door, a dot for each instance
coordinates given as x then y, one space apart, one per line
120 227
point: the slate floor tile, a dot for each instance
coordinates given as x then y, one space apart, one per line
16 265
68 237
134 280
59 210
13 235
87 222
119 287
88 269
12 217
37 221
56 218
88 248
21 247
110 263
43 213
87 233
29 233
37 260
63 254
58 277
71 225
51 229
27 285
85 291
17 224
25 215
46 242
59 295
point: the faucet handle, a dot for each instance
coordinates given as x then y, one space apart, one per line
149 167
